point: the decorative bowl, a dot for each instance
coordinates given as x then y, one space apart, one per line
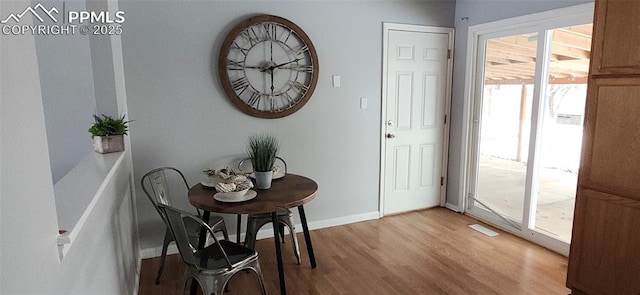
236 194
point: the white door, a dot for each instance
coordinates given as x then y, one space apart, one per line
417 76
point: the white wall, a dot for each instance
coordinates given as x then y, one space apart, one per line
104 257
183 118
473 12
68 93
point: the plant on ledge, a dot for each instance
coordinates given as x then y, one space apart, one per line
107 126
107 133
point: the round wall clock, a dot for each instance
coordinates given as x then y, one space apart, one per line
268 66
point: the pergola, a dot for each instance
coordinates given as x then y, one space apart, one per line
512 59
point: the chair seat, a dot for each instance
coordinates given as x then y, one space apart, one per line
214 261
214 265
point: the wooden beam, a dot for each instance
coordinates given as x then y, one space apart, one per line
523 115
584 30
572 40
504 52
580 80
521 45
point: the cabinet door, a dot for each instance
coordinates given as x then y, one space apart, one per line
611 151
616 37
604 255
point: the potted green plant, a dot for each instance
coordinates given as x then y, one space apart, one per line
108 133
262 149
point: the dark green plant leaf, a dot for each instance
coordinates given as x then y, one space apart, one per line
262 149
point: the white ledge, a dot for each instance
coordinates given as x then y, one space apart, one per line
77 193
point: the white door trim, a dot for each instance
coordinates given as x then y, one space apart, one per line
386 27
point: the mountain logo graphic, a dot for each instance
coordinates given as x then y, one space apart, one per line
34 11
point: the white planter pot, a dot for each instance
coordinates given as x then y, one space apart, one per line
108 144
263 179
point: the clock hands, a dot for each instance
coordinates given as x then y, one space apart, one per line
286 63
271 68
271 55
272 88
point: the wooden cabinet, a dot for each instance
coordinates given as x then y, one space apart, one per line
616 38
605 246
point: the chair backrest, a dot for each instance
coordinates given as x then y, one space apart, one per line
175 219
247 161
155 185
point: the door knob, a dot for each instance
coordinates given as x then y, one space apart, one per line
390 123
391 135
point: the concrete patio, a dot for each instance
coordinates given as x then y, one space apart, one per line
501 185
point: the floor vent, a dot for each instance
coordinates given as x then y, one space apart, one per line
484 230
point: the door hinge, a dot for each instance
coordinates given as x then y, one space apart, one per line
441 180
445 119
448 53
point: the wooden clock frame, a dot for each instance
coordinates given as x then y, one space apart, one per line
223 67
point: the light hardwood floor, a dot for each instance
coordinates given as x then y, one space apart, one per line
426 252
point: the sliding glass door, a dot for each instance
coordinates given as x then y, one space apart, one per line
527 133
504 127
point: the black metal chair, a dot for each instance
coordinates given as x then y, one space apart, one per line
155 184
214 265
256 221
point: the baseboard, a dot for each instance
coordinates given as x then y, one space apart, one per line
455 208
267 231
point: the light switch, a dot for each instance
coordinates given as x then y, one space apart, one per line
363 103
336 81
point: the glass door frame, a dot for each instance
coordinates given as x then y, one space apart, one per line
544 28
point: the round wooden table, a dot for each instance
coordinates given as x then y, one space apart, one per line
290 191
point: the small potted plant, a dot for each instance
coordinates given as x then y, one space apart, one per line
108 134
262 149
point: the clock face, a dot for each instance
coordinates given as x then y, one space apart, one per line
268 67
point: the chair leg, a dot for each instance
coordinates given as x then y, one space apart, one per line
223 227
238 226
294 241
206 289
253 225
221 285
195 282
281 232
258 271
249 236
288 221
163 256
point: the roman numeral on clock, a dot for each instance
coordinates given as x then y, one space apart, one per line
302 50
240 85
301 68
252 39
287 97
303 88
254 99
243 50
270 31
235 65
